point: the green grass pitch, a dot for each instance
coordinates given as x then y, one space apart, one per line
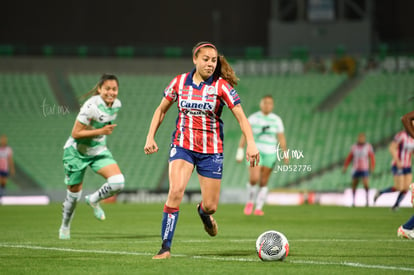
323 240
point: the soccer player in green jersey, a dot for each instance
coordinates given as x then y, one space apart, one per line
87 147
268 132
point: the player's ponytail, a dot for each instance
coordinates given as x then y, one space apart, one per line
94 90
226 72
223 68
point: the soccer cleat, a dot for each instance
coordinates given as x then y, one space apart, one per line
412 193
64 233
164 252
248 209
97 210
210 225
165 255
258 212
405 233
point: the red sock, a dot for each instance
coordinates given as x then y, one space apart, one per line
170 210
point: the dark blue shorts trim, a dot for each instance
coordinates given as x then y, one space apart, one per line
399 172
207 165
360 174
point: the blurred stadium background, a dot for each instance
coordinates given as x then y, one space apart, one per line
334 67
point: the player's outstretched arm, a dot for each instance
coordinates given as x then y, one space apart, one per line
11 165
282 141
407 121
252 154
159 114
84 131
347 161
393 148
372 161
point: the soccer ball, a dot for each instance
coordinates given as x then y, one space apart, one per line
272 246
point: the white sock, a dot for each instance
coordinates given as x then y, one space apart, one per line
251 192
68 209
114 185
261 197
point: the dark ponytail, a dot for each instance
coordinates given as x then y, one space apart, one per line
225 71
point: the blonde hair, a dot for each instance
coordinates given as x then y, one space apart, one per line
223 68
94 90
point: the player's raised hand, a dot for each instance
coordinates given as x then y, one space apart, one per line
150 147
108 129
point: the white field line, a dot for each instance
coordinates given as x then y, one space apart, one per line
227 259
254 240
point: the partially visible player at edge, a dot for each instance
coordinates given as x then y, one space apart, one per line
407 230
6 163
197 141
401 149
87 147
363 161
268 133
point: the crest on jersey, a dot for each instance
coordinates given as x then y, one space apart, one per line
211 90
173 151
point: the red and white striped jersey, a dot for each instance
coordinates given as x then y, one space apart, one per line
199 127
405 148
361 155
5 153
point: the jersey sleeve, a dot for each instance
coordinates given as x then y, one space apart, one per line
170 93
251 119
349 158
228 94
87 113
398 137
280 128
371 149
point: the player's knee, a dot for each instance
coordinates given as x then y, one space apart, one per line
176 191
74 188
116 183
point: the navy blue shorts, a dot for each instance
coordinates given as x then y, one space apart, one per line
360 174
4 174
207 165
400 172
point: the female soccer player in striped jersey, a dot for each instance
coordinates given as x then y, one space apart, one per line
407 230
6 163
268 132
401 149
87 147
363 161
197 141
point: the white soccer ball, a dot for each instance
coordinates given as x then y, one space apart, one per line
272 246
